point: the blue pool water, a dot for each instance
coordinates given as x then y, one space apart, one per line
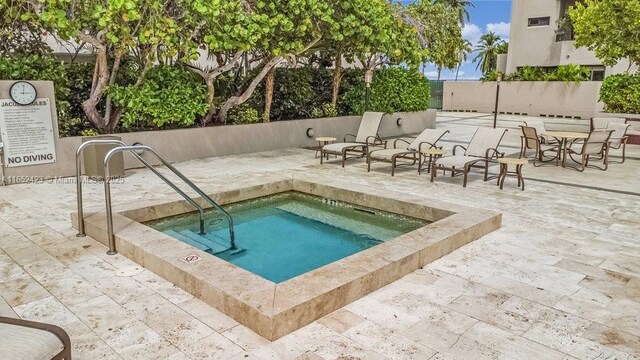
289 234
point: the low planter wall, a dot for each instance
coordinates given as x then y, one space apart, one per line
534 98
198 143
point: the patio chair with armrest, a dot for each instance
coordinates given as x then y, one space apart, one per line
407 150
367 136
530 140
597 144
482 148
619 138
599 123
22 339
541 131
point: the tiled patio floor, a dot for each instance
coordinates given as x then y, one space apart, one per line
560 280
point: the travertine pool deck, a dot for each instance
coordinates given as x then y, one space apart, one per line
559 280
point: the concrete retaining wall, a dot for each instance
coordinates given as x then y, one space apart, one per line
197 143
535 98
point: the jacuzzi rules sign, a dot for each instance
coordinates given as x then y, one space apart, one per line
27 133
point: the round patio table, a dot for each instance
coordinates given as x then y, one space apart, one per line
563 138
427 156
322 141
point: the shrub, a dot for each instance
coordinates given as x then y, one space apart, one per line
621 93
244 115
169 96
394 89
324 111
571 72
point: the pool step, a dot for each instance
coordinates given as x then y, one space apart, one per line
208 240
188 240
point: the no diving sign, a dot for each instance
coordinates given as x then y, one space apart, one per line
27 133
190 259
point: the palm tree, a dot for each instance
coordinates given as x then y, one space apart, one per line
488 49
463 52
459 5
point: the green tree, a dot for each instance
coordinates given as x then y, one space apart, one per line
460 6
271 32
463 55
438 32
357 27
610 28
488 49
20 33
114 29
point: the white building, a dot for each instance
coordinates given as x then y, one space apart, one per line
535 40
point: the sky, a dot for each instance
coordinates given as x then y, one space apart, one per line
488 15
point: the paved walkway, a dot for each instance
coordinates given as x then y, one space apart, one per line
560 280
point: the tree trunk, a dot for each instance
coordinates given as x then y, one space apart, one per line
100 81
268 93
458 71
439 72
211 93
337 77
234 101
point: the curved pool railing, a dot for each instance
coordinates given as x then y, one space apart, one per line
107 191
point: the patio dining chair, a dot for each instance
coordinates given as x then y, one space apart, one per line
22 339
530 140
405 150
540 130
619 138
599 123
367 136
482 148
597 144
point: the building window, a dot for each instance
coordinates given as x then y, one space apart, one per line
539 21
597 75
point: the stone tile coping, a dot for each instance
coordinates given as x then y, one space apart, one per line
274 310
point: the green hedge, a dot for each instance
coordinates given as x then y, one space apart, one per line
621 93
170 96
393 90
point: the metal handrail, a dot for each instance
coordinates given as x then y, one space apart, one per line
107 193
80 150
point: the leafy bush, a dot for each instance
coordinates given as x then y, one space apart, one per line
169 96
244 115
621 93
394 89
324 111
40 67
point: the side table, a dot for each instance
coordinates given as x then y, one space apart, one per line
504 170
322 141
428 156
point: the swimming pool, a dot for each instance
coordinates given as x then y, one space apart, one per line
288 234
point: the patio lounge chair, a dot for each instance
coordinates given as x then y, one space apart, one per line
411 151
482 148
597 144
619 137
367 136
530 140
22 339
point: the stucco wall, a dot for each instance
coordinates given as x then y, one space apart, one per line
197 143
531 98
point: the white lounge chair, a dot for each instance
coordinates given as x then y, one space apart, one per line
482 148
367 136
22 339
405 150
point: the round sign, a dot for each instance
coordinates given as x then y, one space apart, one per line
23 93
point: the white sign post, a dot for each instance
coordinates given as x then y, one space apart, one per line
27 133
